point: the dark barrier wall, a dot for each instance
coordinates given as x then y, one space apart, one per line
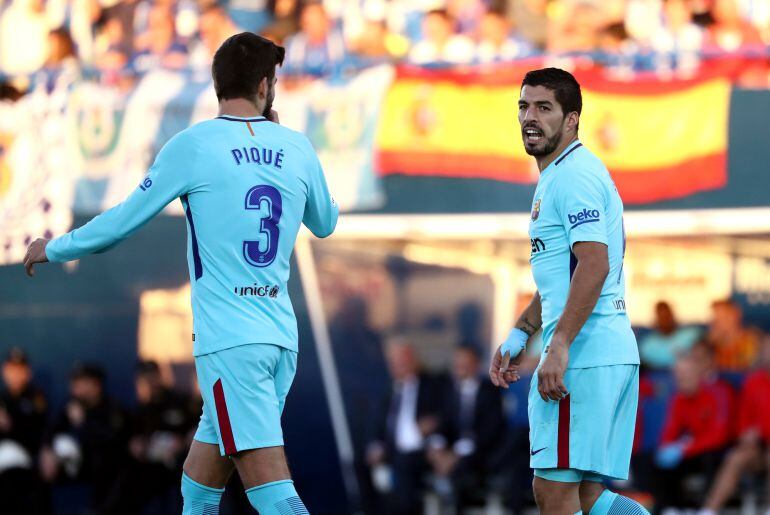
748 177
91 315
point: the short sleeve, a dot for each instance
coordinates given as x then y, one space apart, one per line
582 206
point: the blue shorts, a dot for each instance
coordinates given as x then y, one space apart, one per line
244 390
588 435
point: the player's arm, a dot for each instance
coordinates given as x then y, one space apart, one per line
504 367
583 213
168 178
321 210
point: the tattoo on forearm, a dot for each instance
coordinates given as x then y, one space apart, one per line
527 326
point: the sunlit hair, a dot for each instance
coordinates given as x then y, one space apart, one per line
242 62
565 88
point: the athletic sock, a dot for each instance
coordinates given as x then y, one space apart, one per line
276 498
611 503
199 499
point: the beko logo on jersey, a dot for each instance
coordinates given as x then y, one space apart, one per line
270 291
583 217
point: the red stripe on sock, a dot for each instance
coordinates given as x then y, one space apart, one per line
224 419
563 443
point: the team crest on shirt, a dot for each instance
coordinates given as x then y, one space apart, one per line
536 210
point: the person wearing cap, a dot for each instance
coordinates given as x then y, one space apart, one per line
23 407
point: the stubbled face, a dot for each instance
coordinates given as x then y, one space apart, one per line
270 95
542 120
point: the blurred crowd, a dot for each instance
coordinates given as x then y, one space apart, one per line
703 425
122 39
94 455
423 435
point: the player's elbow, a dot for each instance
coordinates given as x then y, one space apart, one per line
326 230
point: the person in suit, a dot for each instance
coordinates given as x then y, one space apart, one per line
409 415
472 427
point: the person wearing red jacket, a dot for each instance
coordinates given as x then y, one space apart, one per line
695 436
751 451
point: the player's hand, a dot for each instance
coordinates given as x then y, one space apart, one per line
550 375
273 116
503 370
35 254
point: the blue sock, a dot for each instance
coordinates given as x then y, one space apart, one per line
611 503
276 498
199 499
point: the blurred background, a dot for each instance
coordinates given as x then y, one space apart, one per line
411 106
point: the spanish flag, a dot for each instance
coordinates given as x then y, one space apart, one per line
659 139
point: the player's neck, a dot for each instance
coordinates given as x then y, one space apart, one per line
544 161
239 108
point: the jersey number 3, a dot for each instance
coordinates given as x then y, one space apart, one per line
267 200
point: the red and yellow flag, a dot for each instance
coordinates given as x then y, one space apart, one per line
659 139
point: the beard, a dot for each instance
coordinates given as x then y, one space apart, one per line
543 148
269 103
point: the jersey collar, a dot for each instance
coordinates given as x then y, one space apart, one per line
564 153
241 119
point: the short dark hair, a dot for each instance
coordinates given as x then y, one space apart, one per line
563 84
87 371
242 62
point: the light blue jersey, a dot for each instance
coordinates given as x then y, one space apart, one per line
246 185
576 200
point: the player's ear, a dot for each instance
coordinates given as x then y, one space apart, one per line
573 119
262 88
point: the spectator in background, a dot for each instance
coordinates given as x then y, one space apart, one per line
159 46
530 18
575 27
23 37
318 49
678 42
704 356
752 451
660 348
376 43
730 32
214 27
62 67
467 14
617 51
110 50
23 407
22 421
440 44
496 42
695 436
285 20
86 444
472 430
160 430
409 414
735 344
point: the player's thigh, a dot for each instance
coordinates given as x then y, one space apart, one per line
205 465
259 466
556 497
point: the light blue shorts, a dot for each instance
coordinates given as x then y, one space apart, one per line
588 435
244 390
